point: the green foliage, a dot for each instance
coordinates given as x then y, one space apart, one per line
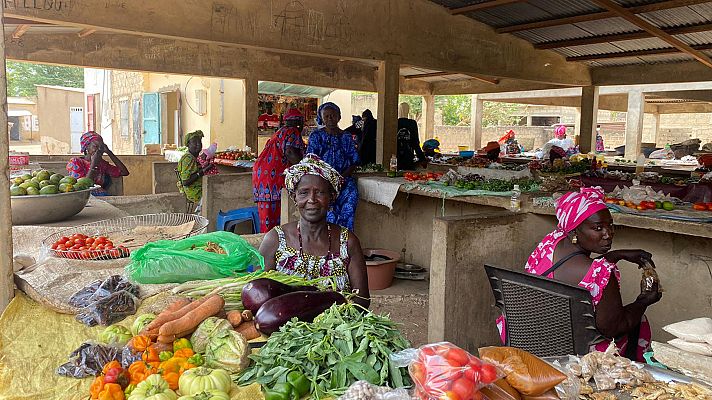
498 114
22 77
456 109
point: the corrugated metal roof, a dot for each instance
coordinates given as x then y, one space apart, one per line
696 38
680 16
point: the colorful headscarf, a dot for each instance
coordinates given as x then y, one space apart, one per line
328 104
571 210
312 165
560 132
190 136
293 113
87 138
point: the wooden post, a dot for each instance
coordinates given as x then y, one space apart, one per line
388 88
477 108
251 110
6 276
588 118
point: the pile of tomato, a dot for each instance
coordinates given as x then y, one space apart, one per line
445 371
83 247
702 206
644 205
416 176
235 155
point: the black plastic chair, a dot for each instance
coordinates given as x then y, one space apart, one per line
544 317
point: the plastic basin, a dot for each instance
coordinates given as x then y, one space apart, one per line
380 273
467 154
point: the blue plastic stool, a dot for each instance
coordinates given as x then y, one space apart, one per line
226 221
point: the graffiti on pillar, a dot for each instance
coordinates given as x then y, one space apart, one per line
62 6
291 21
115 4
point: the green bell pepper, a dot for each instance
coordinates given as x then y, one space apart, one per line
280 391
299 383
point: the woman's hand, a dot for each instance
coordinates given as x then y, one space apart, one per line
636 256
650 297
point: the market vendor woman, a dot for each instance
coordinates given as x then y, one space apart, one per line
313 247
586 227
93 166
189 169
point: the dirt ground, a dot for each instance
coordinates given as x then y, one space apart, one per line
407 304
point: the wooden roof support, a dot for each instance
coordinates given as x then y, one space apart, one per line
619 37
482 6
654 30
86 32
638 53
664 5
20 30
480 78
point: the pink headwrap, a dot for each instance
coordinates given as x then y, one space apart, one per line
560 132
571 210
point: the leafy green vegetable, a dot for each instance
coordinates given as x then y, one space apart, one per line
343 345
207 329
141 322
227 350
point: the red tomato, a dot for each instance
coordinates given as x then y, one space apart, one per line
473 374
476 395
489 373
69 243
89 240
709 206
450 395
417 370
61 248
699 206
54 246
426 353
463 388
109 246
85 255
459 356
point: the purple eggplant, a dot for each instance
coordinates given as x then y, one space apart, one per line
305 306
257 292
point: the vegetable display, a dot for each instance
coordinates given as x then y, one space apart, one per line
343 345
83 247
140 322
304 306
231 288
182 318
258 291
227 350
477 182
153 388
202 379
115 334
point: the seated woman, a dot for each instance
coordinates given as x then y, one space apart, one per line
190 171
314 247
586 227
93 166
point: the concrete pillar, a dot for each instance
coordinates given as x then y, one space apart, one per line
6 275
388 88
251 112
477 108
656 129
634 124
429 113
588 118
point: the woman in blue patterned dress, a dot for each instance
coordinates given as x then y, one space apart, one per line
337 149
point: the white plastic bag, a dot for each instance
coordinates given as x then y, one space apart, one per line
694 330
363 390
704 349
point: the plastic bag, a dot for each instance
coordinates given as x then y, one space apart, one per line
88 360
443 367
106 302
704 349
363 390
569 389
99 290
527 373
168 261
500 390
694 330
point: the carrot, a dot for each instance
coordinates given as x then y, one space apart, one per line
169 339
247 315
162 318
162 346
191 319
234 317
248 330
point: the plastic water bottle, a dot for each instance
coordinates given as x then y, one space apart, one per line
516 203
640 164
394 163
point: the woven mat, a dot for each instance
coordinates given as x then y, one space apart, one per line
55 280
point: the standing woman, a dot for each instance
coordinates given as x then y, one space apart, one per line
337 149
93 166
283 149
190 172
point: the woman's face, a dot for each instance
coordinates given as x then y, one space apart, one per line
313 196
93 147
195 145
331 118
595 234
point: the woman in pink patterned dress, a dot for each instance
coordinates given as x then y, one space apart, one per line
586 227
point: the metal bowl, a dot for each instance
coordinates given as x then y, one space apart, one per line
41 209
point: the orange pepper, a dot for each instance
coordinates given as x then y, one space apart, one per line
96 386
184 352
139 371
140 343
172 379
150 355
110 365
186 367
112 391
173 364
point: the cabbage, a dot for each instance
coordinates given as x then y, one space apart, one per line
115 334
141 322
206 330
227 350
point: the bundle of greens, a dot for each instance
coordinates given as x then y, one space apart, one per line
343 345
230 289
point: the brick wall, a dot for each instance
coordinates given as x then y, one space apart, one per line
125 85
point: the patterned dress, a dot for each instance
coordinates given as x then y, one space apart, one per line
79 167
340 152
289 261
268 175
187 166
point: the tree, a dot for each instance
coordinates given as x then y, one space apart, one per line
456 109
22 77
498 114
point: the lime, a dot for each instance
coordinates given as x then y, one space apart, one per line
668 206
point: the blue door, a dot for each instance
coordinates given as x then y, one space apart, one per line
151 118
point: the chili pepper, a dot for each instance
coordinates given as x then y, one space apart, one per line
182 344
280 391
111 391
165 355
112 375
299 382
196 360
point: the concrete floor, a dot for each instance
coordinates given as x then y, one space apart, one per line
407 303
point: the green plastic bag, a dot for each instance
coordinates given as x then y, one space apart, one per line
169 261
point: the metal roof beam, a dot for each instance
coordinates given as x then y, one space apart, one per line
638 53
619 37
665 5
654 30
482 6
